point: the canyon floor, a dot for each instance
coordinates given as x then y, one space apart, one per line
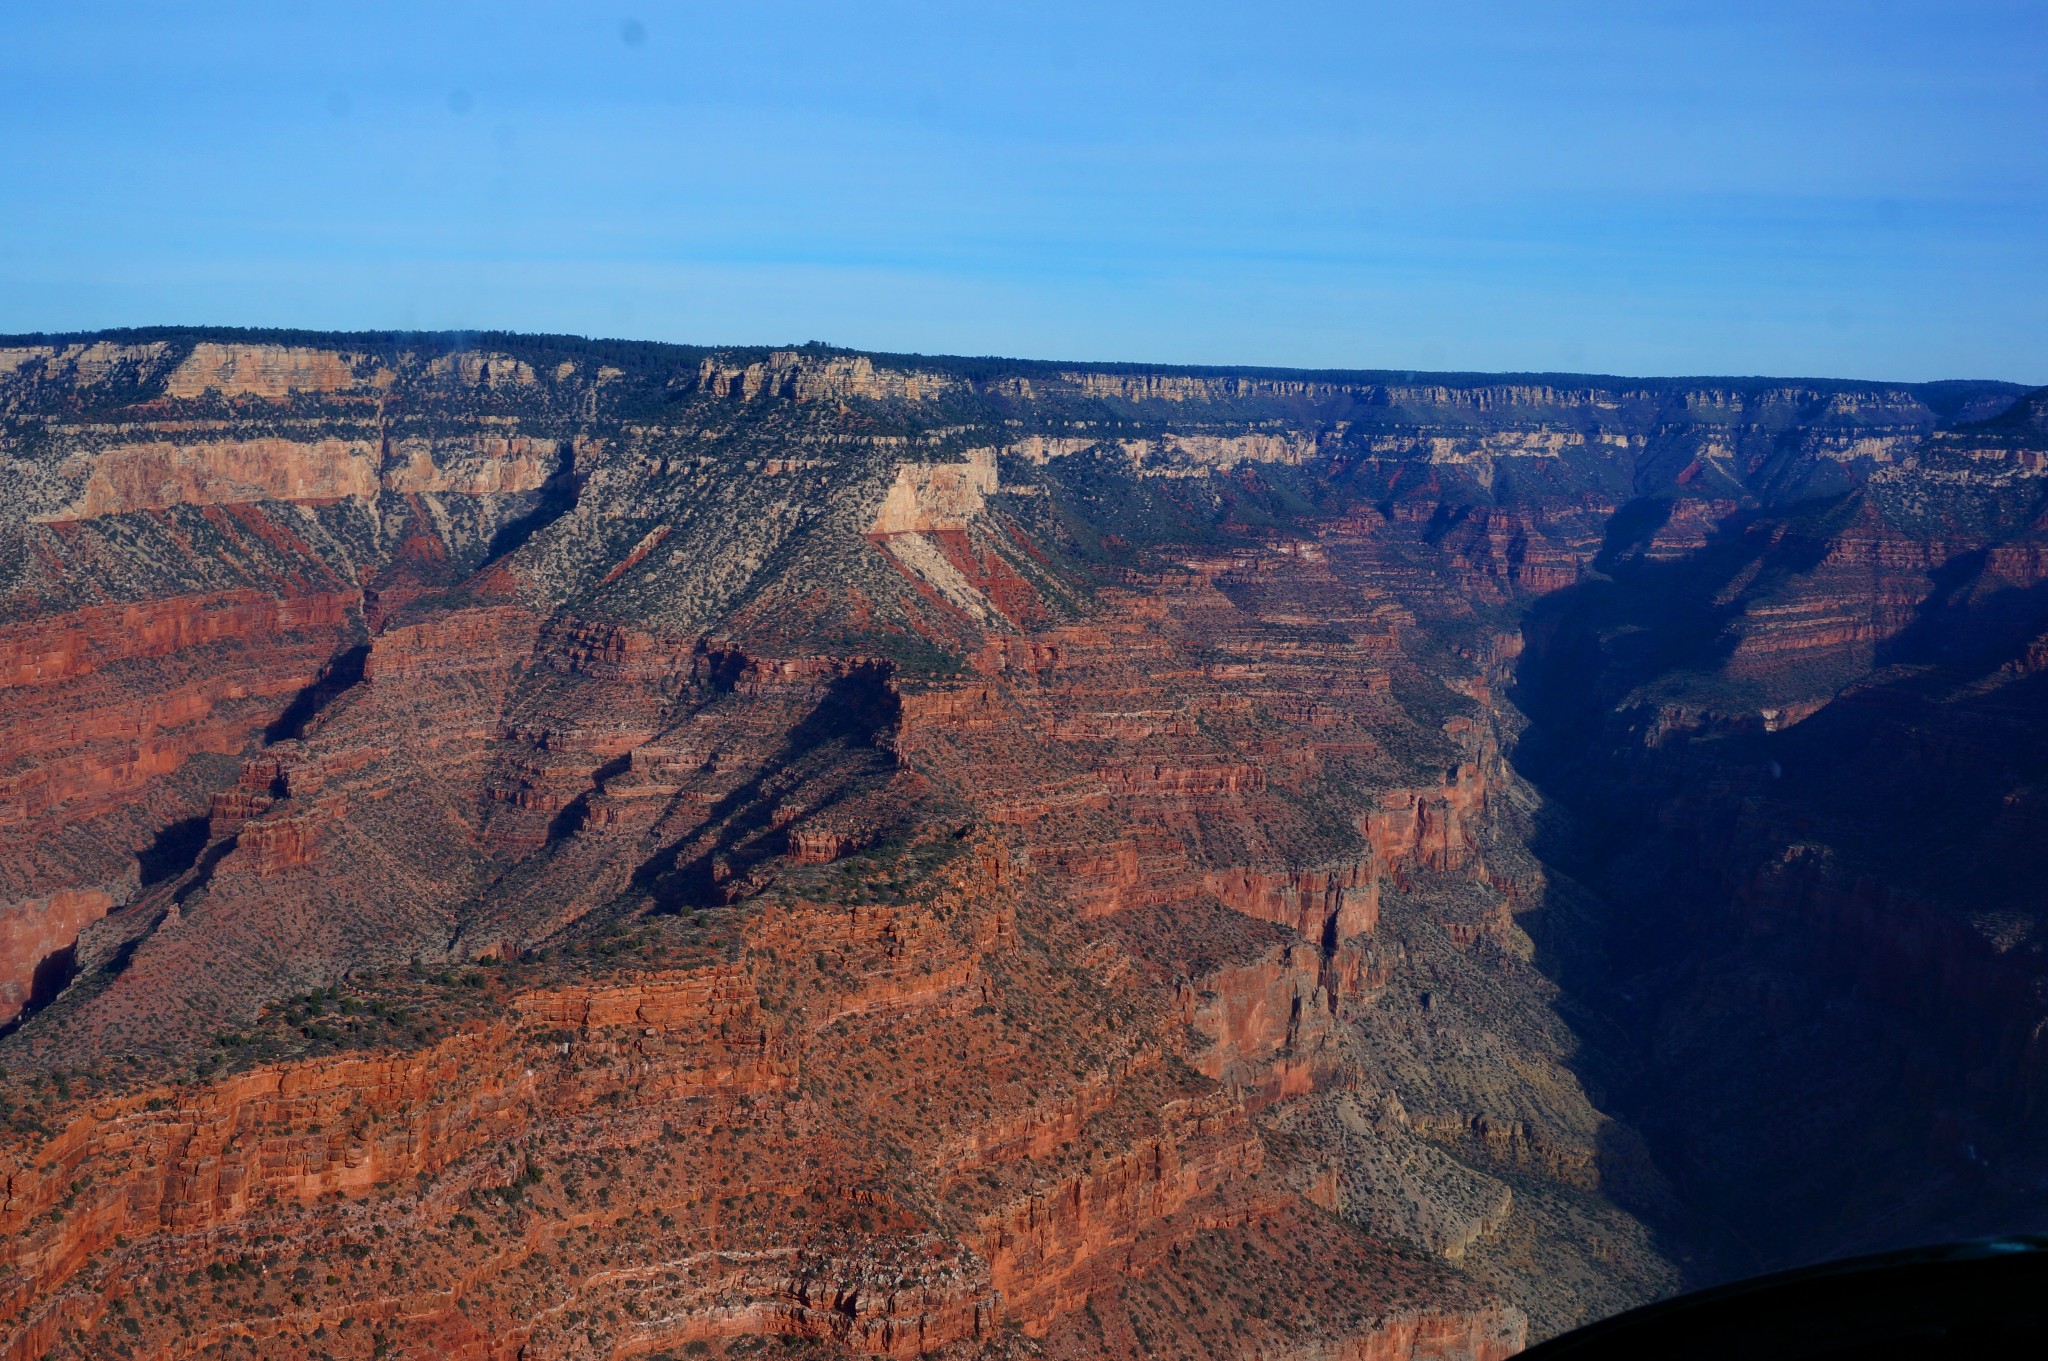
526 847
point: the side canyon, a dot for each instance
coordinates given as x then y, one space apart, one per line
527 847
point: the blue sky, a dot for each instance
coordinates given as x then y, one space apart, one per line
1841 189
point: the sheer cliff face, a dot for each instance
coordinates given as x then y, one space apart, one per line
553 849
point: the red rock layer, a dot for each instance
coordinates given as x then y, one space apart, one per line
105 707
614 1167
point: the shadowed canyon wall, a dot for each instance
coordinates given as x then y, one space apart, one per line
527 847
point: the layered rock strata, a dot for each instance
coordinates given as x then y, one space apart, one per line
573 849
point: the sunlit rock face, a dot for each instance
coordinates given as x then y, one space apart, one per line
527 847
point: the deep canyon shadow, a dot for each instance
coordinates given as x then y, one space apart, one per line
1755 969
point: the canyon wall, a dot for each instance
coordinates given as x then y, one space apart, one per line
571 849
